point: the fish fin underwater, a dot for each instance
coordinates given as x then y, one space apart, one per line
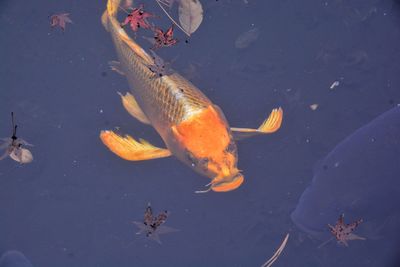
116 67
270 125
131 105
130 149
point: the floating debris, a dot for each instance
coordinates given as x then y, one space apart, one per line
334 84
60 20
277 253
152 226
247 38
13 146
314 106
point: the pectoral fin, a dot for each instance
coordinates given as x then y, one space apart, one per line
130 104
270 125
130 149
116 66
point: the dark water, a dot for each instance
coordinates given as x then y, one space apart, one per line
73 205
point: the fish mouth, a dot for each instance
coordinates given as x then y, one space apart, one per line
227 183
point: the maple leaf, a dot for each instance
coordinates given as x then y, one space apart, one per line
138 19
344 232
60 20
158 67
164 39
152 226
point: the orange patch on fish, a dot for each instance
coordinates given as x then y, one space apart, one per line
198 134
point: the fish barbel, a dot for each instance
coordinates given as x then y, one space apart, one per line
192 127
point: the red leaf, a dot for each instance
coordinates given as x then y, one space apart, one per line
164 39
138 19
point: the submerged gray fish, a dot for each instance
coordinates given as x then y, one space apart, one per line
360 178
13 258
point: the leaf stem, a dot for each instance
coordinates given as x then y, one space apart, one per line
165 11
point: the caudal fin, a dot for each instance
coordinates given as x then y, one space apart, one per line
111 11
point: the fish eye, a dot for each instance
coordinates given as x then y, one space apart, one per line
204 161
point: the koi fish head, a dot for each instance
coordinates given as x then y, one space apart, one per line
220 166
223 170
210 150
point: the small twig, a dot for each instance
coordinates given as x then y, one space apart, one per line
167 3
277 253
173 21
123 9
326 242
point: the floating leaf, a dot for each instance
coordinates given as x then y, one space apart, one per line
190 15
21 155
14 146
138 19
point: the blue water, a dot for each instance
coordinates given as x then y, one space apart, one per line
73 205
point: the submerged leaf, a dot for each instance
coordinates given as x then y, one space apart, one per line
190 15
152 226
60 20
247 38
277 253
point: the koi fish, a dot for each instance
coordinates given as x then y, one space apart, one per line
192 127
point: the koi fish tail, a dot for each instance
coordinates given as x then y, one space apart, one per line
112 10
